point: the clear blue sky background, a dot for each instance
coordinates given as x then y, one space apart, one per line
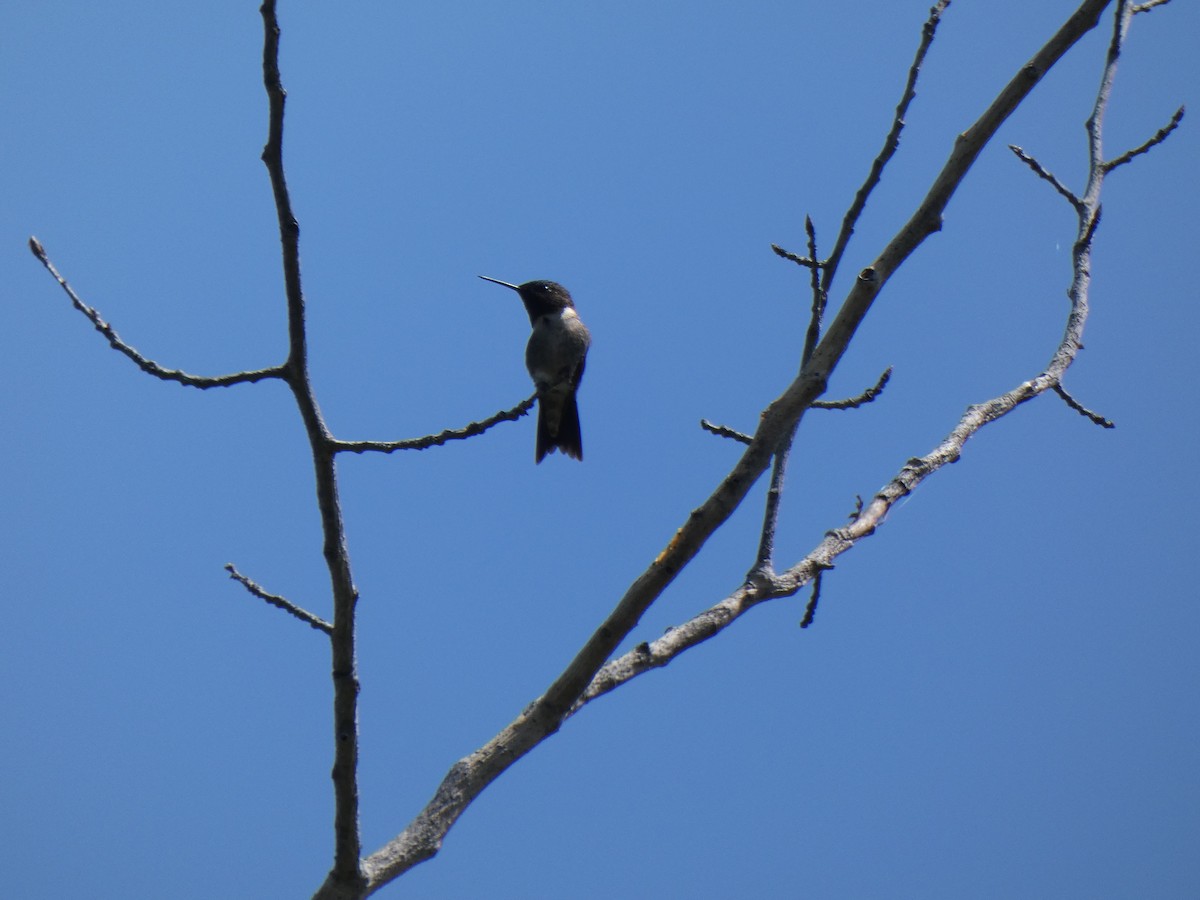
999 697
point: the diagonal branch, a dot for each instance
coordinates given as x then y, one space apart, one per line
275 600
148 366
464 782
432 440
837 541
1042 172
1083 410
1159 136
726 432
890 145
806 261
700 628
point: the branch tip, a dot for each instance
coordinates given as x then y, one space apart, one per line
1039 170
149 366
725 432
866 396
1095 417
279 602
805 261
1159 136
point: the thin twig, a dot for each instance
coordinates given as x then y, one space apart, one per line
890 144
1042 172
806 261
148 366
819 297
725 431
275 600
1148 5
764 560
1083 410
855 402
1159 136
433 440
810 611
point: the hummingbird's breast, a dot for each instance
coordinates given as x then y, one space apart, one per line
556 350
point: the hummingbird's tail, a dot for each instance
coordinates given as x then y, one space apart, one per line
566 437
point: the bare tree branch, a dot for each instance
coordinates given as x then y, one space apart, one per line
820 299
422 443
890 145
466 779
147 365
725 431
866 396
1083 410
1159 136
806 261
810 611
346 878
1043 173
275 600
864 523
594 672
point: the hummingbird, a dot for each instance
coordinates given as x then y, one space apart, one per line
554 356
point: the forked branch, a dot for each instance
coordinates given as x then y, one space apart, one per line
149 366
471 775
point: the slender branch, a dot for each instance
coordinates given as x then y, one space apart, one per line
867 519
837 541
464 782
820 299
1148 5
1083 410
764 560
890 145
1159 136
275 600
1043 173
148 366
866 396
431 440
806 261
810 611
725 431
928 217
346 878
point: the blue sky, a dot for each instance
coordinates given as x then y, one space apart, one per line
998 698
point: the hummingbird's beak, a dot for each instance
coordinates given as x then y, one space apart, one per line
498 281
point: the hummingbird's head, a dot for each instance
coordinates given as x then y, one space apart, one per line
539 297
